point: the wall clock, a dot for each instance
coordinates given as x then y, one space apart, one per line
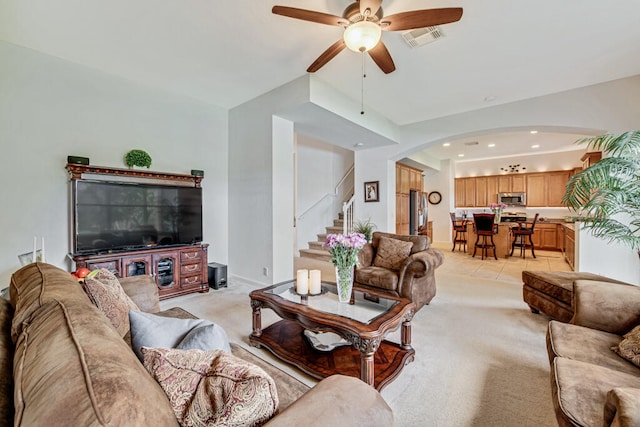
435 197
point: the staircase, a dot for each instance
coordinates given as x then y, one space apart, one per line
316 250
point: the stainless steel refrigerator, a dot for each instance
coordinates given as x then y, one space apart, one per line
418 211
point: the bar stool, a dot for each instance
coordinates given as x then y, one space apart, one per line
485 229
460 229
520 233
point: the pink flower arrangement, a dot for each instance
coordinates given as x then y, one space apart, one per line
344 248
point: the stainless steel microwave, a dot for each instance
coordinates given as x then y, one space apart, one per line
513 199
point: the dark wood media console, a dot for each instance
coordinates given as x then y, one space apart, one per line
177 270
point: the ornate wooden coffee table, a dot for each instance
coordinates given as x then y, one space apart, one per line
363 323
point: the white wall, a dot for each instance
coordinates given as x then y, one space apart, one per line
441 181
252 193
321 166
611 106
566 160
598 256
51 108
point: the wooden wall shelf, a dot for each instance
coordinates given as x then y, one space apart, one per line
76 172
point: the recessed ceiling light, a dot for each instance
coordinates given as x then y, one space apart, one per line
446 144
489 98
460 155
533 132
359 144
535 146
491 145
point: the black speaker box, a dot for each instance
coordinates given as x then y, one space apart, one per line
217 275
78 160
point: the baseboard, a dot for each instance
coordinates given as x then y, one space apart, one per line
249 281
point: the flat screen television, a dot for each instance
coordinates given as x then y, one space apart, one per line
118 216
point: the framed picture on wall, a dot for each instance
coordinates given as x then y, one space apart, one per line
371 191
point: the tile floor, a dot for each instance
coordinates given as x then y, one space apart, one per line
504 269
457 262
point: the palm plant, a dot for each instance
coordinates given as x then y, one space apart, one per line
607 194
365 227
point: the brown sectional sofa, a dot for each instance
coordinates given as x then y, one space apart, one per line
551 292
62 363
591 384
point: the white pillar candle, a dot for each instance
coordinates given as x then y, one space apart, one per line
35 243
314 282
302 282
42 253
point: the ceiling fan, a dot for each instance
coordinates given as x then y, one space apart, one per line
364 22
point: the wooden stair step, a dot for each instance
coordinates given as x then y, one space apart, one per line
322 237
315 254
318 245
338 223
334 230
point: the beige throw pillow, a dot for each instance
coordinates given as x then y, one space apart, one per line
391 253
107 294
629 347
212 387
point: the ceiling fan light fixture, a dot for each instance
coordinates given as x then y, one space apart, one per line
362 36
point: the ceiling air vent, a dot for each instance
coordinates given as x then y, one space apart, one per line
470 143
422 36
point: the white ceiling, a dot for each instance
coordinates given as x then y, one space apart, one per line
228 52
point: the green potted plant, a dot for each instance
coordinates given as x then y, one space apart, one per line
365 227
607 194
138 158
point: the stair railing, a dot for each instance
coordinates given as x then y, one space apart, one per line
347 215
330 195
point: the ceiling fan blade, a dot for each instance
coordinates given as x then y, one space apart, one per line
381 56
327 56
420 19
372 5
309 15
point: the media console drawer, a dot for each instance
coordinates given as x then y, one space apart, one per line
190 255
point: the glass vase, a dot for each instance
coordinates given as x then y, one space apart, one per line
344 283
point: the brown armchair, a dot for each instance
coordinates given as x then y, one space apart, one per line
402 265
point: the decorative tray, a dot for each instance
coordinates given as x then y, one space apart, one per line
323 290
324 341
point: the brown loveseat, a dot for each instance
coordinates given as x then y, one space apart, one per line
414 279
591 384
63 363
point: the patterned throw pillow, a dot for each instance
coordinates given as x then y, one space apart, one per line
212 387
107 294
629 347
391 253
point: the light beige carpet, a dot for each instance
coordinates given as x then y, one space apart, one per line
480 353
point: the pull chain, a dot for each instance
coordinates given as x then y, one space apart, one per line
364 75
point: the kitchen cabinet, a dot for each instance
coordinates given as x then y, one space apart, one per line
543 189
492 189
560 238
546 189
465 189
588 159
518 184
407 178
570 246
480 191
545 236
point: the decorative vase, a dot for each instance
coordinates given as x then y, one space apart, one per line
344 283
498 216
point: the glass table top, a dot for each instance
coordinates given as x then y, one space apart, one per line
365 309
